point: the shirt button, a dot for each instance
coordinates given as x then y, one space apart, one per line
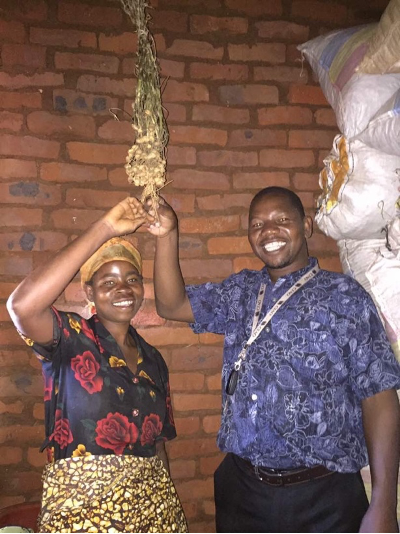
135 380
135 412
267 329
254 397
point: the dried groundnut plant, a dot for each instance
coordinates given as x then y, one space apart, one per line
146 160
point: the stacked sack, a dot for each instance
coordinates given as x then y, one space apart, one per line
359 72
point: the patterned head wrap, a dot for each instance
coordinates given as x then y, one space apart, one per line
114 249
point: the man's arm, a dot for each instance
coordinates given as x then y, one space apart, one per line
381 419
171 298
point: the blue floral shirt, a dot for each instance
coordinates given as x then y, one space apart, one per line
298 398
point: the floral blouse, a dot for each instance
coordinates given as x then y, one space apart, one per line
94 404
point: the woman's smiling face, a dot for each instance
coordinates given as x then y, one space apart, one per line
277 234
117 291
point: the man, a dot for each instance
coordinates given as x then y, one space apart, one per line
308 381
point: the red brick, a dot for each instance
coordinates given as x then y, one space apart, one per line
75 219
19 81
233 95
10 455
307 94
214 382
101 154
75 102
195 489
25 481
254 137
66 38
186 426
74 292
43 122
280 74
193 179
20 217
16 168
172 69
265 52
284 115
205 4
211 423
30 193
117 131
259 180
17 358
38 241
220 114
196 49
196 135
194 447
255 8
205 269
311 138
227 158
33 385
182 469
209 225
11 407
208 465
22 434
10 501
200 24
325 117
282 30
36 458
119 178
185 92
332 12
331 263
181 156
87 62
6 289
190 508
87 198
195 358
321 244
66 172
251 263
228 245
165 335
186 381
209 508
207 71
38 411
12 100
147 316
11 121
305 181
286 158
84 14
11 30
203 526
223 202
308 200
28 146
31 56
28 10
88 83
122 44
172 21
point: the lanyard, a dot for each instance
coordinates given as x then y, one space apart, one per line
258 327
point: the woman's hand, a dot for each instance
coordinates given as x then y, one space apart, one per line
126 217
163 221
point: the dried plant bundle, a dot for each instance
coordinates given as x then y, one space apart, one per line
146 160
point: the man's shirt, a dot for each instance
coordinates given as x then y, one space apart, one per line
298 398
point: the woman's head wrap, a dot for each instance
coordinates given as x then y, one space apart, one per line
115 249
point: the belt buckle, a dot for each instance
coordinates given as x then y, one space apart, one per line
280 478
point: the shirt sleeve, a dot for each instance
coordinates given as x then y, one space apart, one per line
211 304
373 363
47 352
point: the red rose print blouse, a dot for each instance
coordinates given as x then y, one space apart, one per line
94 404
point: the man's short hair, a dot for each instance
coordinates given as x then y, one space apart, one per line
283 192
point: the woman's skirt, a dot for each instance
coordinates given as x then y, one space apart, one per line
110 494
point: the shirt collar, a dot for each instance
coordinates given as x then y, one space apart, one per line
292 277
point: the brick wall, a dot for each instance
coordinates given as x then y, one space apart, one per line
243 113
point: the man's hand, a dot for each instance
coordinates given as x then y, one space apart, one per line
126 217
378 519
163 221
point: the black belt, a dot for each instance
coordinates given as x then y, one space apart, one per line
286 477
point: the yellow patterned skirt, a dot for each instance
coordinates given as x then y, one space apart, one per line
109 494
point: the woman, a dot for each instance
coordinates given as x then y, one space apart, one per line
107 403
